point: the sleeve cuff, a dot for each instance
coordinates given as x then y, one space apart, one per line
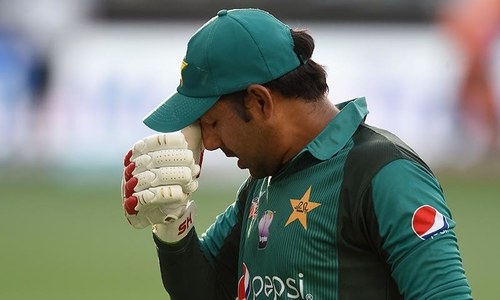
179 246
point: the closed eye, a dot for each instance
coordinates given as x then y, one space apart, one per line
212 124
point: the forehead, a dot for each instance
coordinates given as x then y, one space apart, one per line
219 109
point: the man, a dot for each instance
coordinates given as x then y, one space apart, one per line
474 26
333 209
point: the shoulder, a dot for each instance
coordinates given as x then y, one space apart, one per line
376 144
373 149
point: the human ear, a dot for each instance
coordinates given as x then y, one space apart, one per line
259 100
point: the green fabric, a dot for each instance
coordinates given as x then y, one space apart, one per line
336 223
299 258
338 132
357 245
236 48
424 269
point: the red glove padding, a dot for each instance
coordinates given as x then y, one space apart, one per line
160 174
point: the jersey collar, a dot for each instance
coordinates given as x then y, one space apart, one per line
340 129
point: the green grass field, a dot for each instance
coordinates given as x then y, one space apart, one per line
66 238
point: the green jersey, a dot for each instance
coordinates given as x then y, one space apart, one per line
355 215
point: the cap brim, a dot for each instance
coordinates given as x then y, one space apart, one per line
177 112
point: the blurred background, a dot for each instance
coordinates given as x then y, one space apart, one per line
78 76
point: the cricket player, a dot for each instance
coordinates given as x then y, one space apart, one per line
333 208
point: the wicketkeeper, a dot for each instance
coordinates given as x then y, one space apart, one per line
333 208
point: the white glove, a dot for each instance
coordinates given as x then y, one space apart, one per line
159 177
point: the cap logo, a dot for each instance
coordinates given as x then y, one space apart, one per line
428 222
183 66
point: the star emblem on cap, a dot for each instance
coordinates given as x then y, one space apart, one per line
183 65
302 207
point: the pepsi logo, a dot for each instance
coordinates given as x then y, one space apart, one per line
244 283
427 222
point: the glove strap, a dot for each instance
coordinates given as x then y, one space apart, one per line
173 232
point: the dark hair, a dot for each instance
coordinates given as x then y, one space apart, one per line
308 81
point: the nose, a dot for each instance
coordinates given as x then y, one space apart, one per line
211 140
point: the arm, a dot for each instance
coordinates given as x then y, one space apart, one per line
424 259
205 268
185 272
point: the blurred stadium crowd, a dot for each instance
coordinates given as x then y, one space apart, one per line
77 76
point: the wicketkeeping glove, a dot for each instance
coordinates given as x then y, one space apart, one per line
159 177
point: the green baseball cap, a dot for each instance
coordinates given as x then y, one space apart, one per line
234 49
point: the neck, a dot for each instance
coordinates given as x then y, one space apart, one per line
308 120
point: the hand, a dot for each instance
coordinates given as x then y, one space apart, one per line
160 176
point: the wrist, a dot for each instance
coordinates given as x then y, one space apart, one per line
176 230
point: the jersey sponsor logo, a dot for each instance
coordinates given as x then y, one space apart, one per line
244 283
264 224
301 208
428 222
270 287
